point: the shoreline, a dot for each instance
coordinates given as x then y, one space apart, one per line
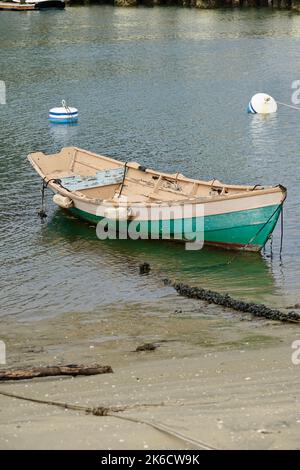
220 381
293 5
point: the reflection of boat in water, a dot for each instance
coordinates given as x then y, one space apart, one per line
249 277
25 5
159 205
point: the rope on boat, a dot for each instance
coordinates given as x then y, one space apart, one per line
281 232
111 412
123 180
225 300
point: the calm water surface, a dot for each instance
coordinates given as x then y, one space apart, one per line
167 87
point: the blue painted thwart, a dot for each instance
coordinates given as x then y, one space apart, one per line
102 178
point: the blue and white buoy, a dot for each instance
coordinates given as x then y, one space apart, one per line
63 114
261 103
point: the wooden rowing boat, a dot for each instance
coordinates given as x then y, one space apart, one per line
97 188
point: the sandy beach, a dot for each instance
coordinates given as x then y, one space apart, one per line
165 94
217 380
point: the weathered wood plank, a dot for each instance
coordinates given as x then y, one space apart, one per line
101 178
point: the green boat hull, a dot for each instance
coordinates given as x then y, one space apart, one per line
247 229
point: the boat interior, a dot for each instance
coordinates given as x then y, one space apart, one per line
102 178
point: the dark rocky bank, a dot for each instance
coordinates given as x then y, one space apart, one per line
225 300
201 4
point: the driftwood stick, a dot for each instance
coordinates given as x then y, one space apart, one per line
50 371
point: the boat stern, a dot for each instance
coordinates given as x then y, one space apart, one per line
249 228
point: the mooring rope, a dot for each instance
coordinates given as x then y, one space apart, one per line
280 207
111 412
170 431
42 212
244 248
288 105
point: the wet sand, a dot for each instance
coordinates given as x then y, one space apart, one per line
217 378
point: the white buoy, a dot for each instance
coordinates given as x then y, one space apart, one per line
261 103
63 114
